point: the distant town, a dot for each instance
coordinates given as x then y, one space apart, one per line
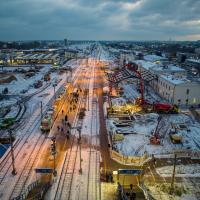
99 120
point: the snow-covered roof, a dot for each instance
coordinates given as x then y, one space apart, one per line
153 58
174 80
194 60
169 68
145 64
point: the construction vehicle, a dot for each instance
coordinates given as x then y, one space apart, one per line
155 138
165 108
37 84
175 137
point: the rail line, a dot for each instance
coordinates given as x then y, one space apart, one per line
20 184
65 181
64 187
6 163
92 188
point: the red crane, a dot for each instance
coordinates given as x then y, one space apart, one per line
159 107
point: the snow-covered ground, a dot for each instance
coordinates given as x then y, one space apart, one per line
190 170
141 128
22 83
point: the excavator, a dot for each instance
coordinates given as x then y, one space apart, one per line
155 138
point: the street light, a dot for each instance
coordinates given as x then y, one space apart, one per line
54 90
53 153
79 143
173 175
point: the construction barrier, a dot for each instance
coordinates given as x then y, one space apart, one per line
129 160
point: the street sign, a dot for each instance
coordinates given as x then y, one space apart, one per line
44 170
130 171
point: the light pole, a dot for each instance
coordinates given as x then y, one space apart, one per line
79 143
173 175
41 108
53 153
54 90
12 154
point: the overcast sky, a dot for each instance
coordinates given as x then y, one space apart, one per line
100 19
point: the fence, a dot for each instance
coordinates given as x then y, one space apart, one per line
129 160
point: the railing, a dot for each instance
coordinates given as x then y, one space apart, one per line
129 160
25 193
147 195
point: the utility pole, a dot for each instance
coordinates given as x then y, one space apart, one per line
41 109
79 142
88 99
12 154
54 90
173 175
53 153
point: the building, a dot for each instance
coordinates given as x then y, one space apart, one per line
71 53
154 58
179 90
197 51
170 82
126 57
193 63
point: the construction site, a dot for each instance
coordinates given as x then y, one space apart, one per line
140 122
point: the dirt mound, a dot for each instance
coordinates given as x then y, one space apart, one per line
7 78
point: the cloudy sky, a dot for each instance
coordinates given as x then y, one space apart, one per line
100 19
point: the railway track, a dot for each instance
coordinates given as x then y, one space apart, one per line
65 181
65 187
23 176
19 145
94 158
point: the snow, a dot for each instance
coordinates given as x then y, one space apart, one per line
137 142
16 86
146 64
181 170
7 102
174 80
153 58
169 68
193 60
